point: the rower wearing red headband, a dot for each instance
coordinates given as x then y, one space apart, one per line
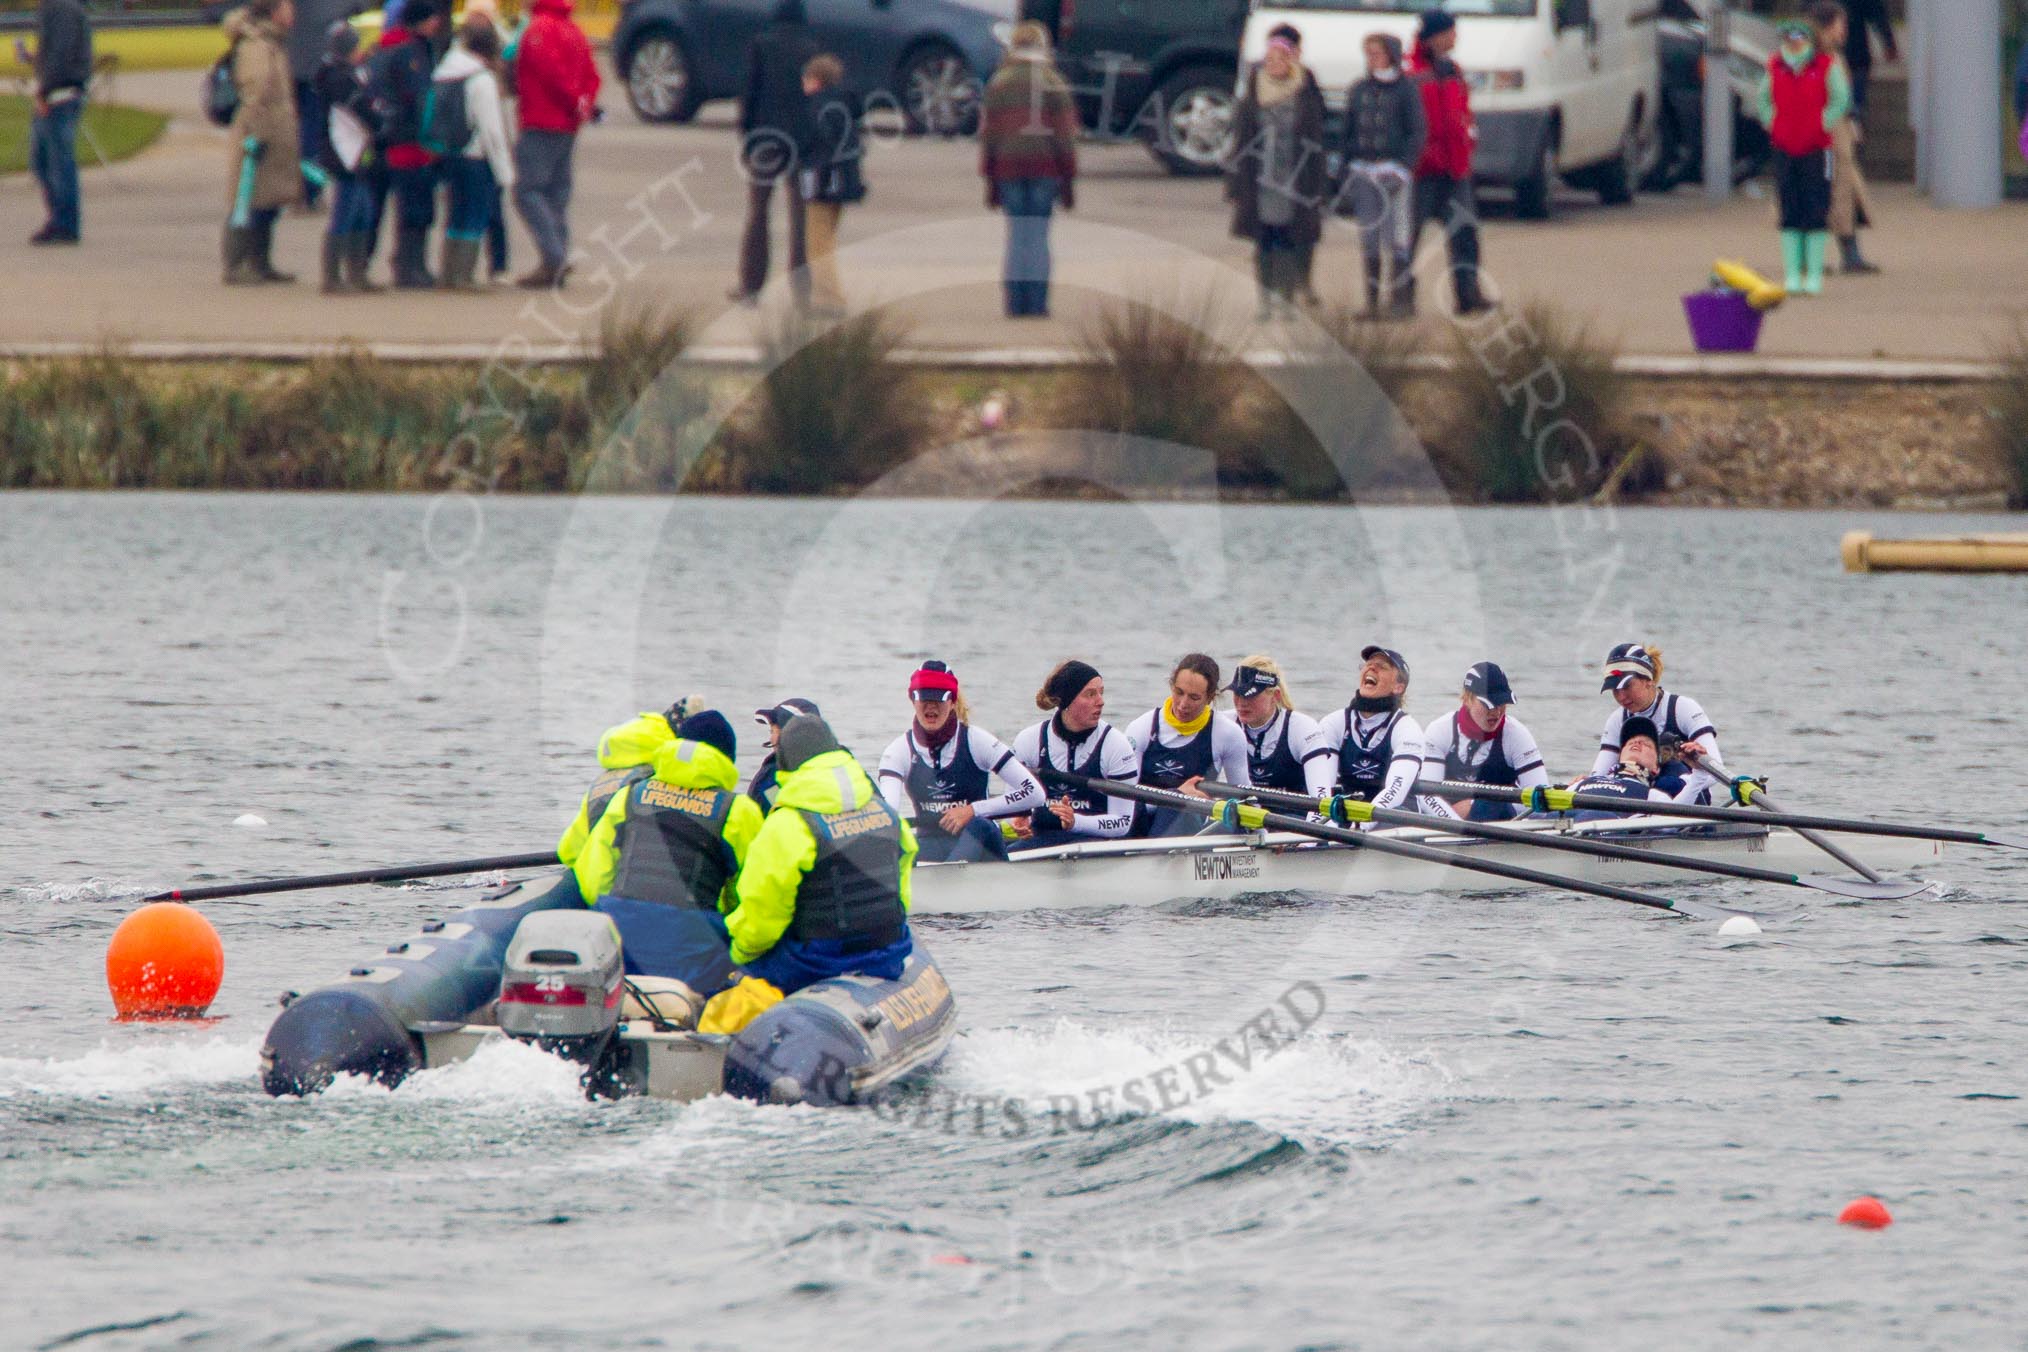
944 766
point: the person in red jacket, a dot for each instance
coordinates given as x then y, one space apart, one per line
557 84
1803 97
1443 177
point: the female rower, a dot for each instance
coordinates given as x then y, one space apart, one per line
943 766
1483 743
1285 749
1075 738
1380 748
1633 773
1632 671
1183 741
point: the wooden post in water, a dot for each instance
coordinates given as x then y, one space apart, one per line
1963 554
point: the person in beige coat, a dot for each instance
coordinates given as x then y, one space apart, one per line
1849 205
266 163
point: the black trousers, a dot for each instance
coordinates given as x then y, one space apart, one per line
1803 187
1450 203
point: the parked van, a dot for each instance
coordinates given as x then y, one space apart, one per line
1561 88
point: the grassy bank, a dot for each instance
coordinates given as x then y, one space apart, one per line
837 413
120 132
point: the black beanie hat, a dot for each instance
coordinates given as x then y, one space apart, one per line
803 738
711 728
1434 21
1072 677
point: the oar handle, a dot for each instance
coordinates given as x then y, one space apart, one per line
1380 845
399 873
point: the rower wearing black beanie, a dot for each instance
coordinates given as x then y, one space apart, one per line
1076 738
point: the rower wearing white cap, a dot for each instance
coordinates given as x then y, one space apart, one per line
1632 673
1184 740
1077 739
944 767
1380 748
1285 749
1483 743
774 718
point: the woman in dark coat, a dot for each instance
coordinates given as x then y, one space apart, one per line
1278 182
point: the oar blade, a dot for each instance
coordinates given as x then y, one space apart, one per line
1887 889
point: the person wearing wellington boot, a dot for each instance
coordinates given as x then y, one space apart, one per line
266 171
1804 95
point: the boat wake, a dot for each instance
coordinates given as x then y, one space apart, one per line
145 1067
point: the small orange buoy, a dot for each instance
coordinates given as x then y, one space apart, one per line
1868 1213
165 962
951 1259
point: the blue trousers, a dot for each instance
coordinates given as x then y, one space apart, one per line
1028 203
53 153
791 965
355 206
415 196
684 942
473 195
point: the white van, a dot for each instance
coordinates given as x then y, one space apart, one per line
1560 88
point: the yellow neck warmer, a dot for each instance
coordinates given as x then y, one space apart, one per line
1193 727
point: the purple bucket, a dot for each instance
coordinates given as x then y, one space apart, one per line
1721 321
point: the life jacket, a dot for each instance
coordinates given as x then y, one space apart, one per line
1800 98
609 786
766 786
1363 761
1086 802
1275 767
936 787
852 892
672 845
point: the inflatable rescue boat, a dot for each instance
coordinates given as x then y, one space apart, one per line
530 961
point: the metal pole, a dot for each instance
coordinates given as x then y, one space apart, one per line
1919 87
1717 103
1964 151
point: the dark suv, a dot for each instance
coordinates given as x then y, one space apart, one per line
931 56
1162 70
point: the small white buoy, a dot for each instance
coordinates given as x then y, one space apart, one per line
1739 927
249 820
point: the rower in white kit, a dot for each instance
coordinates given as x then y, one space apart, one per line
1380 748
944 768
1185 740
1285 748
1483 743
1632 675
1075 738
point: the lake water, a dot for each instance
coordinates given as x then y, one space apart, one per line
1528 1121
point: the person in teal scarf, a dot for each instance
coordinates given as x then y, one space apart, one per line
1804 95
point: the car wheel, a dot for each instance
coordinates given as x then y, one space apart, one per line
1531 194
1188 121
657 76
939 93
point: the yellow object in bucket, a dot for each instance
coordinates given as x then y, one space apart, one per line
737 1006
1760 293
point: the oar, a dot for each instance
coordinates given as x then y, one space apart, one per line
1757 797
400 873
1345 809
1566 800
1259 818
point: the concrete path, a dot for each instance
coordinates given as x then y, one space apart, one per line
669 202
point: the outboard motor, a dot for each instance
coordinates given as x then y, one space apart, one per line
560 988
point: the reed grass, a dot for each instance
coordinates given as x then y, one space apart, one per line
2007 415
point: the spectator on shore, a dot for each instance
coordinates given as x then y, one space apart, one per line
62 64
307 43
348 157
1384 132
1865 17
1851 206
474 172
267 170
398 79
1306 256
1803 96
1028 132
1443 177
774 126
831 176
503 67
1277 180
558 87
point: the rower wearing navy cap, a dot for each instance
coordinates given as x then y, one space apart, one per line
1076 738
1184 740
944 768
1285 749
1380 748
774 718
1632 674
1483 743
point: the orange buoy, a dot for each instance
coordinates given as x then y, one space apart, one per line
1868 1213
165 962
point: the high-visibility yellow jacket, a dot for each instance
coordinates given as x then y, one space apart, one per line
628 746
786 850
703 768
